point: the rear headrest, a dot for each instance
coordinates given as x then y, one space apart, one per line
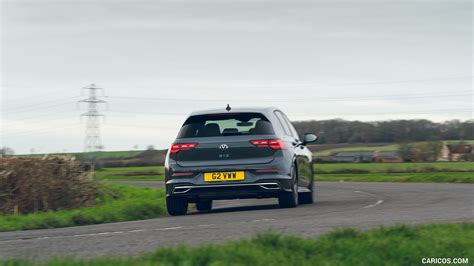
229 131
211 130
262 128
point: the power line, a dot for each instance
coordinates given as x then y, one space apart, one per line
313 85
44 115
332 99
141 126
371 82
41 108
155 113
34 97
40 121
39 131
446 111
28 106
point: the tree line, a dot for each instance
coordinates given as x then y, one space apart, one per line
343 131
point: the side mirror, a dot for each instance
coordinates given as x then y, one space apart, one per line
309 138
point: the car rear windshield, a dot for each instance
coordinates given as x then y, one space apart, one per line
226 124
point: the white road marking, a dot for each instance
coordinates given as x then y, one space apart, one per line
136 231
375 204
261 220
205 225
130 231
93 234
168 228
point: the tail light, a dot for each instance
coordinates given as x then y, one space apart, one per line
182 173
177 147
267 170
275 144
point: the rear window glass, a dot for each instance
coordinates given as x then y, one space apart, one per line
214 125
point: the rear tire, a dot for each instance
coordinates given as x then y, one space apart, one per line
306 198
176 205
290 199
204 205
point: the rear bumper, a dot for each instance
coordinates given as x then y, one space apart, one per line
262 186
257 184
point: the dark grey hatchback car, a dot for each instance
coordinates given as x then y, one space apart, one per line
238 153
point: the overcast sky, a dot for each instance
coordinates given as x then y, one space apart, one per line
159 60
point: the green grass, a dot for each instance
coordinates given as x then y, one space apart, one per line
436 177
457 142
397 245
384 167
114 204
391 147
144 173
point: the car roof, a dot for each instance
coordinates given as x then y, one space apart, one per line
263 110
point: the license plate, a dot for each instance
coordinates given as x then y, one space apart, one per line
224 176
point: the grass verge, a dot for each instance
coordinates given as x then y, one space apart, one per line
115 204
384 167
397 245
436 177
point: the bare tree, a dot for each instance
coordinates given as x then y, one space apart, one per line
6 151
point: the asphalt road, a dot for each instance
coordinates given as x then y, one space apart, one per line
361 205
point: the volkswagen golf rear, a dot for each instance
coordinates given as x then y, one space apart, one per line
238 153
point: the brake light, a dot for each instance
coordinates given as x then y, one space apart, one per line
177 147
275 144
182 173
267 170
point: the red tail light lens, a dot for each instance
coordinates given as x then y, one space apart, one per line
267 170
275 144
182 173
177 147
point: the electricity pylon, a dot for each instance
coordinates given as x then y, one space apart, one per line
92 142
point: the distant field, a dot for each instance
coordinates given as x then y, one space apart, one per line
369 147
384 167
131 173
391 147
436 177
111 154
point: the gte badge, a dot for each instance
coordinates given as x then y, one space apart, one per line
224 148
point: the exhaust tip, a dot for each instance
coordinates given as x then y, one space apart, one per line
181 190
270 186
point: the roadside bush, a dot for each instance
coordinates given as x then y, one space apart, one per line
114 203
44 184
468 157
420 152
